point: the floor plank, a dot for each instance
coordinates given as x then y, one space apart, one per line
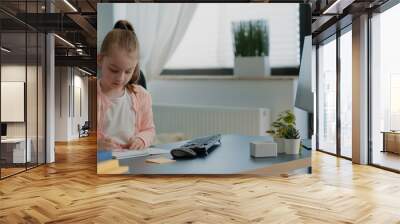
70 191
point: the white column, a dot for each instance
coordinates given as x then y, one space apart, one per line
50 92
314 90
360 90
50 100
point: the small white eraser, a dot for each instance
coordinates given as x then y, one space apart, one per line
263 149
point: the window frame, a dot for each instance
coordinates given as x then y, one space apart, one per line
228 72
332 36
380 9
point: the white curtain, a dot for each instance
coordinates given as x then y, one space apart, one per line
160 28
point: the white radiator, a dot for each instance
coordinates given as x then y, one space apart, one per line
196 121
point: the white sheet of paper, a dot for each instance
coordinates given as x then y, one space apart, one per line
155 151
138 153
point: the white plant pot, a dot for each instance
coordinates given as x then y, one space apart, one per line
252 67
292 146
280 144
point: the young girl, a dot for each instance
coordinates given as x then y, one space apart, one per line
125 117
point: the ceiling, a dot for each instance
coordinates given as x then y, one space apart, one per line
330 15
74 21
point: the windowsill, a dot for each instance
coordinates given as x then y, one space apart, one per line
223 77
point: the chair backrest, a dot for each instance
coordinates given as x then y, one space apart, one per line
142 80
86 125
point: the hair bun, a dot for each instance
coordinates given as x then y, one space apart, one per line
124 25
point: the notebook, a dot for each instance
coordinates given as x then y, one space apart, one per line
138 153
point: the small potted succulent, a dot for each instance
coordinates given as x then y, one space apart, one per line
251 48
292 140
279 126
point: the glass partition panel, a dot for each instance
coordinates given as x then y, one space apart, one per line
346 94
327 96
14 152
385 89
41 79
31 98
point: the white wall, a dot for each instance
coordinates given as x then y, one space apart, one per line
82 83
67 81
61 103
277 95
12 73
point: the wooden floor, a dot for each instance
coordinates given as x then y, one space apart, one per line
10 171
5 172
69 191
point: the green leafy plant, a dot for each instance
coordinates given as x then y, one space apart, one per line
285 119
291 133
251 38
277 130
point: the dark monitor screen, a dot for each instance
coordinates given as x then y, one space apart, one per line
3 129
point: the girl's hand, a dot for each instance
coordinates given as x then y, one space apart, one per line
108 144
135 143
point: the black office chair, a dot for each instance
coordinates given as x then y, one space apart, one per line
142 80
84 130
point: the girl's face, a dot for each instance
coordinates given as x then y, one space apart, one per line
117 67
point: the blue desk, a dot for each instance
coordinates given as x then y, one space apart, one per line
232 157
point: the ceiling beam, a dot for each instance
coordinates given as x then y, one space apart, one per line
82 61
337 7
86 27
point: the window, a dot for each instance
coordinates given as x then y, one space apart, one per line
385 87
207 44
346 94
327 96
394 102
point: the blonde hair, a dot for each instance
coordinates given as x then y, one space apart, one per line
124 37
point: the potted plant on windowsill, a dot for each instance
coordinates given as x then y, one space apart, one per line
292 140
279 126
251 48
